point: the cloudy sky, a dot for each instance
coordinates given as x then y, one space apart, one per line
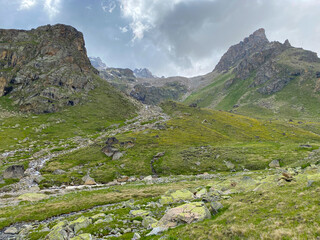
170 37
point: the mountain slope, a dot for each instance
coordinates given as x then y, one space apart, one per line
263 78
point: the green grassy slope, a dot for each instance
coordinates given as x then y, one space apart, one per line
194 141
299 99
31 133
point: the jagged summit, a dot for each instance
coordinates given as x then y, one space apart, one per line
97 63
255 42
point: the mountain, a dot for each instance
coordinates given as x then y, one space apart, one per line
44 69
262 78
97 63
143 73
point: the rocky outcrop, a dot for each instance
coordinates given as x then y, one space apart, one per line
154 95
14 171
143 73
44 69
117 73
97 63
252 44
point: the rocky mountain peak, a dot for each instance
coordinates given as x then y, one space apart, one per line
143 73
254 43
287 43
44 69
260 33
97 63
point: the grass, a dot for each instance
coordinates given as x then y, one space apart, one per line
104 106
194 141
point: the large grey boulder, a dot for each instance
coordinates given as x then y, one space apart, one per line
14 171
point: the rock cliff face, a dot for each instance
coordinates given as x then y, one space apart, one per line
44 69
254 43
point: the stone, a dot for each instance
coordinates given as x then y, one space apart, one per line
109 151
58 172
14 171
274 164
310 183
286 177
98 216
117 156
58 232
187 213
201 193
11 230
215 207
139 213
88 180
149 222
32 197
229 165
111 141
84 236
157 230
176 196
80 223
136 236
160 154
148 178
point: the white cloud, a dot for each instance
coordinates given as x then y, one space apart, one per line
124 29
108 5
27 4
145 13
52 7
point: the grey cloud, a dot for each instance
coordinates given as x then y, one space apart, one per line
184 37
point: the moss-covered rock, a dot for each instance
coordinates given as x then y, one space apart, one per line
80 223
139 213
84 236
187 213
149 222
176 196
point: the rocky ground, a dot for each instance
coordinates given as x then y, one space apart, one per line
150 218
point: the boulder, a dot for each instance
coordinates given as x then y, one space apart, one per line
14 171
80 223
109 151
117 156
274 164
201 193
215 207
84 236
139 213
58 232
98 216
88 180
59 172
149 222
136 236
187 213
11 230
111 141
176 196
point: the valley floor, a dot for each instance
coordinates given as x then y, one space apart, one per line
269 204
216 175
